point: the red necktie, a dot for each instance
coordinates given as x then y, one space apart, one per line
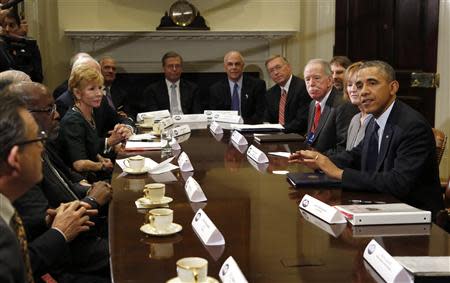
316 117
281 107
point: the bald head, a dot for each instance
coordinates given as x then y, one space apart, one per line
233 63
14 76
86 61
78 56
30 92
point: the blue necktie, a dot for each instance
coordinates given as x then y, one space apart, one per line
372 151
235 98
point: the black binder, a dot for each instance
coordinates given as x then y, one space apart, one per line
309 180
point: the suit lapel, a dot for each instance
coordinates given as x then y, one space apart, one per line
324 115
226 94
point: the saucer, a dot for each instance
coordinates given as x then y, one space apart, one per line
208 280
150 230
132 171
146 201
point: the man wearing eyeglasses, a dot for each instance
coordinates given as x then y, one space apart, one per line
175 94
287 101
21 146
86 253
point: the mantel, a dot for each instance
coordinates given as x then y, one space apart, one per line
180 35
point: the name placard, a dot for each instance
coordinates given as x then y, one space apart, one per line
261 167
210 114
184 162
206 230
215 128
233 119
385 265
256 154
162 125
181 130
322 210
159 115
238 138
194 191
231 273
189 118
174 144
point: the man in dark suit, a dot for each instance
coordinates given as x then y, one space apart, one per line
175 94
239 92
398 153
329 116
20 169
116 97
287 101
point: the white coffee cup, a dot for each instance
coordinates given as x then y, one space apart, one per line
160 218
148 119
192 269
154 191
136 162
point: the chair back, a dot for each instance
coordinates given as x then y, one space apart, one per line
441 140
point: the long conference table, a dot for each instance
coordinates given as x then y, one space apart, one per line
256 210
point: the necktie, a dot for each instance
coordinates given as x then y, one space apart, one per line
174 106
316 117
17 225
109 98
372 151
281 107
235 98
55 172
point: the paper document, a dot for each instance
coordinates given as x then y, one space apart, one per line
425 264
142 137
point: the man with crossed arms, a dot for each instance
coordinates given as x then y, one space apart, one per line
398 153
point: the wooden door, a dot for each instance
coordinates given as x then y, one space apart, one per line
402 32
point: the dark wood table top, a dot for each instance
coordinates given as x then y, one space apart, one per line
257 213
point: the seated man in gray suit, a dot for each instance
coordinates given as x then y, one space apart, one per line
173 93
238 91
398 153
329 116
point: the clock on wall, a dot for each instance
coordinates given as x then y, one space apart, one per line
182 15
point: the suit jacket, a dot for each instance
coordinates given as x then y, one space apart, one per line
252 98
156 97
331 133
406 167
12 268
356 130
120 99
296 110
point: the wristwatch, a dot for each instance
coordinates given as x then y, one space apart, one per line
182 13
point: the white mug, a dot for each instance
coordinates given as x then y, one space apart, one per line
160 218
148 119
192 269
136 162
154 191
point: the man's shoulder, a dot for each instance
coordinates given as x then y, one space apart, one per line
247 79
187 84
405 114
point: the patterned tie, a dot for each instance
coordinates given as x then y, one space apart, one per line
235 98
174 106
281 107
109 97
316 117
372 150
17 225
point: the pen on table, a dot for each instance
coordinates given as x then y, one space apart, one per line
359 201
141 140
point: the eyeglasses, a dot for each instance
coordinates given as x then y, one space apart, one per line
41 137
49 110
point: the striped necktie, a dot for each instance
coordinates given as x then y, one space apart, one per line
281 107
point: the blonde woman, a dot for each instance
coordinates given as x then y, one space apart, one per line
357 127
78 139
